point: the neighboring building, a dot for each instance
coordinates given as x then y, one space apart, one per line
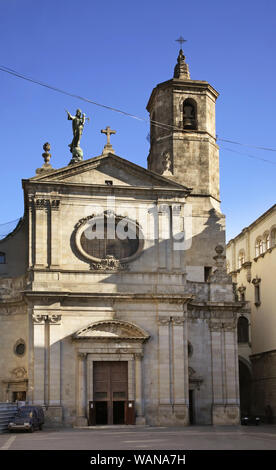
251 259
138 328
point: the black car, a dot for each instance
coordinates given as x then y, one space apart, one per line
248 419
28 418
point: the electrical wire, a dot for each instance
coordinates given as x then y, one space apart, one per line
248 155
247 145
133 116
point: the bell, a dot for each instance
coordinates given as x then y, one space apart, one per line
188 122
188 119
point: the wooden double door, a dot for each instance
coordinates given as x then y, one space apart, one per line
110 393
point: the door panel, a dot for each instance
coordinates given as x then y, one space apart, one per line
110 385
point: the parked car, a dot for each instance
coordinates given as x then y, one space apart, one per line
28 418
245 420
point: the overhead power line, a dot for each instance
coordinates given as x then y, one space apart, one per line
248 155
73 95
153 122
247 145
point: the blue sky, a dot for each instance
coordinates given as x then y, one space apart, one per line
114 53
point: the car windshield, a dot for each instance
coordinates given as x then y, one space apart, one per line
25 412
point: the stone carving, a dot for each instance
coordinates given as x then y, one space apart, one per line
19 372
178 321
256 281
77 125
181 69
165 321
112 330
84 220
218 326
110 263
167 164
42 203
82 356
220 276
55 203
46 156
40 319
54 318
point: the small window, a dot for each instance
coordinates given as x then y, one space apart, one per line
207 273
243 330
258 247
241 258
273 237
257 295
266 242
2 258
109 182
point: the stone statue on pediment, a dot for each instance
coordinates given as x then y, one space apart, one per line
78 122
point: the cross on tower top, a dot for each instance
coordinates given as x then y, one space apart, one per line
108 147
181 41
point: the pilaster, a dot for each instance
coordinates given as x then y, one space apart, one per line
41 232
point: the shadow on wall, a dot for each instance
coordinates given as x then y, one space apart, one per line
200 252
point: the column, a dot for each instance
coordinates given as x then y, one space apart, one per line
217 362
177 238
39 359
41 238
180 394
139 402
180 370
31 232
30 389
55 247
224 373
81 419
164 368
231 368
163 234
54 360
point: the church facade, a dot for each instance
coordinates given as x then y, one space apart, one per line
115 304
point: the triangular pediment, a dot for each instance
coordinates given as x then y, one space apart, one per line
111 330
107 169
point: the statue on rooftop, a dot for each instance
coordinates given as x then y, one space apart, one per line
77 125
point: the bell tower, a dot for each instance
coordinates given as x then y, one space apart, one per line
182 135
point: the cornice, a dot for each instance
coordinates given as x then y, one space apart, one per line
109 190
118 297
179 84
245 230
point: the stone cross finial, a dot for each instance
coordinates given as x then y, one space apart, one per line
181 41
181 69
108 147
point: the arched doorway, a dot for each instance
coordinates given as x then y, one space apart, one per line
245 380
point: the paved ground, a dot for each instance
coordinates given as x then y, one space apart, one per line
261 437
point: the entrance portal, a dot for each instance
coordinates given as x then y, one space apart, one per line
110 391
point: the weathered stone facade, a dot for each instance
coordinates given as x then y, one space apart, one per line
166 308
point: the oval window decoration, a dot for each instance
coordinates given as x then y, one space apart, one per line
20 347
109 237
